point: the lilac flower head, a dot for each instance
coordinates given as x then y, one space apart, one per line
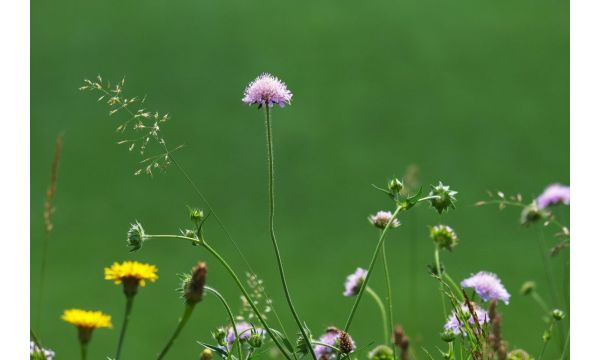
554 194
354 282
244 331
382 218
456 325
267 90
333 337
37 353
487 285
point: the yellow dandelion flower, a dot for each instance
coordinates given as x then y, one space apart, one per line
87 319
131 271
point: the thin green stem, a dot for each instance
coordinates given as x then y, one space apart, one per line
187 312
42 280
546 340
231 318
128 307
538 299
455 286
566 347
370 269
438 269
389 297
272 230
83 348
326 345
377 299
37 343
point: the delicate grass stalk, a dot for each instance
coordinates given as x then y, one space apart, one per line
236 342
370 269
389 297
37 343
128 307
384 320
187 312
566 347
438 268
272 230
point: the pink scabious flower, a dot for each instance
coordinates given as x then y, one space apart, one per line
332 337
382 218
267 90
244 331
457 325
354 282
554 194
487 285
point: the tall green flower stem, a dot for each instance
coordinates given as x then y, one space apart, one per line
187 312
203 243
231 318
128 307
83 351
370 269
389 297
384 320
438 269
272 229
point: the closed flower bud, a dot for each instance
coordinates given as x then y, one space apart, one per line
381 352
395 186
135 236
219 335
527 288
444 237
448 336
193 286
532 213
196 215
518 354
346 343
443 197
256 339
206 354
558 314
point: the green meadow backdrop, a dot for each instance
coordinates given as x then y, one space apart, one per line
475 93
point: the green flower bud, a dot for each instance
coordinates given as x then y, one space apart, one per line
381 352
196 215
527 288
448 336
206 354
558 314
255 340
518 354
135 236
444 197
444 236
219 335
532 214
395 186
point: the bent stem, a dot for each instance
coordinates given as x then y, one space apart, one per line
389 297
236 342
379 303
187 312
370 269
272 230
128 307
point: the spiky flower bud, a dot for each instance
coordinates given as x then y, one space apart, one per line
518 354
531 214
256 339
346 343
448 336
196 215
206 354
135 236
444 197
381 352
219 335
527 288
444 236
192 286
558 314
395 186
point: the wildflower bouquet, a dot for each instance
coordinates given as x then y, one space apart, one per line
471 307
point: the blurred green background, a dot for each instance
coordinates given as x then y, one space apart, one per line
475 93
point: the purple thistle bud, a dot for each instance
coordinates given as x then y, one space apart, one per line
354 282
267 90
456 325
554 194
487 285
382 218
336 338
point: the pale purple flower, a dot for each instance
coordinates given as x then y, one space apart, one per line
554 194
35 351
267 90
331 337
244 331
382 218
487 285
457 325
354 282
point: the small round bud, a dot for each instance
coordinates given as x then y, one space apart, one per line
255 340
448 336
220 336
444 236
346 344
135 236
558 314
395 186
381 352
189 233
206 354
532 214
444 197
527 288
518 354
196 215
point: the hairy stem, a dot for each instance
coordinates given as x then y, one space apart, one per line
272 229
384 320
389 297
128 307
187 312
236 342
370 269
